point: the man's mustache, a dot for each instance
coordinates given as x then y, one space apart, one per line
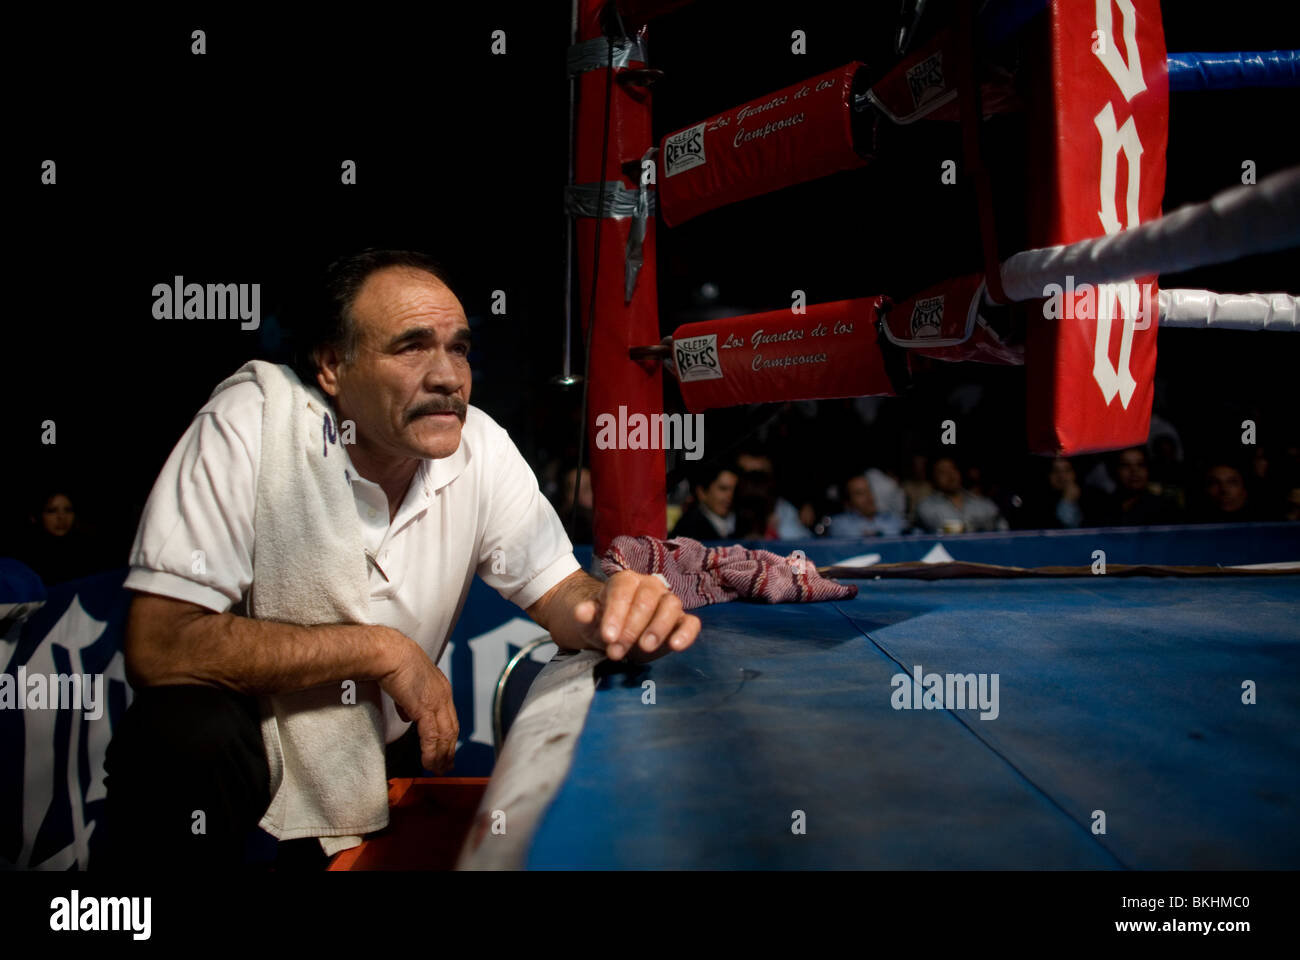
450 404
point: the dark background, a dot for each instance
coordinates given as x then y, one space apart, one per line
225 169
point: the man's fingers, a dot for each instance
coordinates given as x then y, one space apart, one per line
451 729
448 725
680 636
639 613
620 589
687 630
666 617
439 727
430 745
438 744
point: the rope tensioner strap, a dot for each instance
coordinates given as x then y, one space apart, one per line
594 54
620 203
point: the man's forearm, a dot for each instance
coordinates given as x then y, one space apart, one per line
256 656
554 610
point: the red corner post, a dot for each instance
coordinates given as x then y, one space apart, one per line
1099 124
627 484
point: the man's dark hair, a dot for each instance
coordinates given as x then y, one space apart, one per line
855 471
323 317
42 495
935 460
1229 461
705 476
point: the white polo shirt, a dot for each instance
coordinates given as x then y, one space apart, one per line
478 510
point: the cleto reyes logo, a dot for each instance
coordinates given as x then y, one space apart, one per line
697 358
683 150
927 317
925 80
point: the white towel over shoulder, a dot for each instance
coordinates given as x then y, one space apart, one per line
328 777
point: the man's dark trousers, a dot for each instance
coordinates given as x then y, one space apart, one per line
187 755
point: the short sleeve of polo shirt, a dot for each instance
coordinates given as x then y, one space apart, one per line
195 540
524 551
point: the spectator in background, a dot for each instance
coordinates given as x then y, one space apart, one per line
890 498
1133 504
862 516
1288 464
1098 483
818 513
916 484
1055 504
1291 508
578 528
950 509
710 517
1268 484
755 506
789 524
1259 479
55 546
1225 498
1163 435
1167 473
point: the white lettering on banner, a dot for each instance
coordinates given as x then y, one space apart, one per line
760 337
53 744
1117 379
1112 142
745 136
760 364
748 110
1127 75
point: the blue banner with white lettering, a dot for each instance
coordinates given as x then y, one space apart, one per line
62 688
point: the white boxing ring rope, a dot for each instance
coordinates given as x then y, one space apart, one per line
1229 311
1260 218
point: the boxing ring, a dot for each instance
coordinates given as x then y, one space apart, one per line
1071 290
1120 707
1093 720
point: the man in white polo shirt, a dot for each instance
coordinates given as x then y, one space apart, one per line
442 494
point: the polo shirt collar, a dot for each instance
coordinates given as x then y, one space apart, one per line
433 473
442 471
